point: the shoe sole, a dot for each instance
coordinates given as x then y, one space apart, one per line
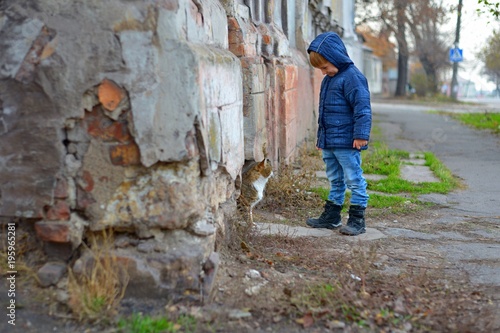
351 233
331 227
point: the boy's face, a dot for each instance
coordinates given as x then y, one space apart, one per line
328 69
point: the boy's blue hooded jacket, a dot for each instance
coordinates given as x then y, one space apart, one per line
344 101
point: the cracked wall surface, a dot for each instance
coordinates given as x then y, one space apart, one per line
137 117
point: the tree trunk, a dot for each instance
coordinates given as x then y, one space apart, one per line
430 72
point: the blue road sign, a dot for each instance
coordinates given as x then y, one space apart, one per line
456 55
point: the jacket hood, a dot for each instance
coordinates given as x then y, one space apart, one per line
331 47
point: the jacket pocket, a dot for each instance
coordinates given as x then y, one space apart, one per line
339 127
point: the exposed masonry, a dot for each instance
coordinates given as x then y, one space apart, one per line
141 125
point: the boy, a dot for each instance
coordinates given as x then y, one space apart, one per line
344 125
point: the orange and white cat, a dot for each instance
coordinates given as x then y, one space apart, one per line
254 180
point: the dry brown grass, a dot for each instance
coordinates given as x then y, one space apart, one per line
96 293
288 193
24 243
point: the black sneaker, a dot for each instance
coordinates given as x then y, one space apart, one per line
356 222
329 219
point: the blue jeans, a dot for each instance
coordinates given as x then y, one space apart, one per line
343 169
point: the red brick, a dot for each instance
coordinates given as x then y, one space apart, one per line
235 37
288 107
87 180
60 211
288 139
102 127
126 154
237 49
110 94
57 232
291 77
83 199
233 24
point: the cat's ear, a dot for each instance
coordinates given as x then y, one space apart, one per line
261 165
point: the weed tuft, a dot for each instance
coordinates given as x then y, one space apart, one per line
139 323
96 292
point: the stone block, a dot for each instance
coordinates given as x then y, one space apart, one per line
254 78
181 272
254 124
51 273
17 37
168 197
202 228
210 270
58 251
232 141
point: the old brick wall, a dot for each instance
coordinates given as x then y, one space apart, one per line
124 115
137 116
278 103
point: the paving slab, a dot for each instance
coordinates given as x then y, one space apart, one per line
418 174
414 161
480 260
374 177
297 231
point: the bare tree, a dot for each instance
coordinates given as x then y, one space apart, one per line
405 18
425 18
390 17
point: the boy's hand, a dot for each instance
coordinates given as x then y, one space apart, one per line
358 143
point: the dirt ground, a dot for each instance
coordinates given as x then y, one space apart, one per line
284 283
